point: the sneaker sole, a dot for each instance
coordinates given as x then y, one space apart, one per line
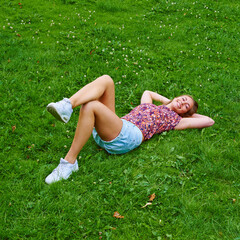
54 112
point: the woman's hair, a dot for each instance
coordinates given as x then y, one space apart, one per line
190 112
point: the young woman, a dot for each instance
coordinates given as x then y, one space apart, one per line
119 135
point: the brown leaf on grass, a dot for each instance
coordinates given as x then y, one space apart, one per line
151 197
117 215
13 128
91 52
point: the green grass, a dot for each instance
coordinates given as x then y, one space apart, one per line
50 49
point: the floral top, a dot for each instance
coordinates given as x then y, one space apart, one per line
151 119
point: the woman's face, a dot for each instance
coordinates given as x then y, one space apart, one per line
182 104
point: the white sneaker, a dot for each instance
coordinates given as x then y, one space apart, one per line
61 110
62 171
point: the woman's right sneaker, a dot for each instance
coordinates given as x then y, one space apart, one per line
61 110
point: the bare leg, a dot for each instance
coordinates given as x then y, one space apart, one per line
94 113
101 89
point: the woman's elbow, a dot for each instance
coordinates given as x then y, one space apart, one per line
146 92
210 122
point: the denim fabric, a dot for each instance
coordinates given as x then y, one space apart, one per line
129 138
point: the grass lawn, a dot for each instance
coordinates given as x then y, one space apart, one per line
51 48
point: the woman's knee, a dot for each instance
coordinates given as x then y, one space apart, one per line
90 106
107 80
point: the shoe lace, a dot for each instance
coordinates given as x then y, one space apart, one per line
59 168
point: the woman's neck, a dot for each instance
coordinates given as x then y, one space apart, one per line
169 105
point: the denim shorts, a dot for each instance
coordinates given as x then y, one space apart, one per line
129 138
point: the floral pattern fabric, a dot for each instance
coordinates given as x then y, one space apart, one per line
152 119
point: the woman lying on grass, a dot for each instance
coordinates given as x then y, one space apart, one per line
119 135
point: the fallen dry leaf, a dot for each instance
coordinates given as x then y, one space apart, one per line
92 51
151 197
13 128
117 215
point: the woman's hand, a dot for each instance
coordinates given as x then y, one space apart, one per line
149 96
195 121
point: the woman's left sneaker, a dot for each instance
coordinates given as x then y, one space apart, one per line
62 171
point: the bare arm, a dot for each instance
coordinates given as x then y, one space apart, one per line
149 96
195 121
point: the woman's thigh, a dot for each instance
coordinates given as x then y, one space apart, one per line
108 97
107 124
